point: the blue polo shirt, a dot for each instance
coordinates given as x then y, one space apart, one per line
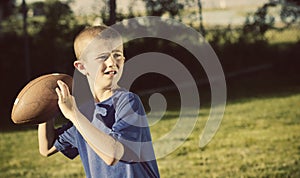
122 116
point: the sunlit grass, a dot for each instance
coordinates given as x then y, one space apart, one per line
258 137
20 158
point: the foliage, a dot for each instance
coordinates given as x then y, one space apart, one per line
159 8
296 2
106 13
257 24
6 8
53 37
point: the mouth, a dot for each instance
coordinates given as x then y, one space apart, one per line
112 72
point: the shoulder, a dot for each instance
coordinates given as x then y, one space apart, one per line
125 99
123 96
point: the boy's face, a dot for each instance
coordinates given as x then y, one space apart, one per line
103 62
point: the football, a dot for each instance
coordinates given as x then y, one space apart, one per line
37 101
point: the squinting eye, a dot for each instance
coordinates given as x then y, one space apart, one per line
103 57
118 56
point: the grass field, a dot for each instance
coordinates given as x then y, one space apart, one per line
259 137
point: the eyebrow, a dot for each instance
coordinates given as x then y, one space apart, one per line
116 50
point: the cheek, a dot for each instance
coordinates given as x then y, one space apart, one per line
100 69
95 69
121 64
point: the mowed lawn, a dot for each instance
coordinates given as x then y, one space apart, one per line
258 137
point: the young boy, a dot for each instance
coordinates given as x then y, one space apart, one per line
114 139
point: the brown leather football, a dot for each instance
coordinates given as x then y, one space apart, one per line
37 101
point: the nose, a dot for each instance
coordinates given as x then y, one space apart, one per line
111 62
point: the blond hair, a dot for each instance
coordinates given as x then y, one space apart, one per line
87 35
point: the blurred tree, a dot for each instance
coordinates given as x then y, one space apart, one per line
110 15
201 27
290 11
38 8
161 7
297 2
26 42
257 24
189 10
57 16
6 9
55 38
112 12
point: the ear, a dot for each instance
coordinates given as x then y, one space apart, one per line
79 65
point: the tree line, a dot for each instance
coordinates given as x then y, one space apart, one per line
50 27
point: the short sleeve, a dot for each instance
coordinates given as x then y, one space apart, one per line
131 127
66 141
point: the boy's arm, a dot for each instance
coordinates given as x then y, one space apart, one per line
105 146
46 137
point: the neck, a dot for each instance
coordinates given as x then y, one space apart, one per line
104 94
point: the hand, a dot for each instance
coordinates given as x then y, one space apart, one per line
66 101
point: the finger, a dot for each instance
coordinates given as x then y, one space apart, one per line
64 89
60 90
59 95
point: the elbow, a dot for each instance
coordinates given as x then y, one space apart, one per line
44 153
118 154
111 161
47 152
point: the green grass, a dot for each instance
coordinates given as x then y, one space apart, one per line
259 137
20 158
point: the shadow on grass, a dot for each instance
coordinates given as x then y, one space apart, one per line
264 84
